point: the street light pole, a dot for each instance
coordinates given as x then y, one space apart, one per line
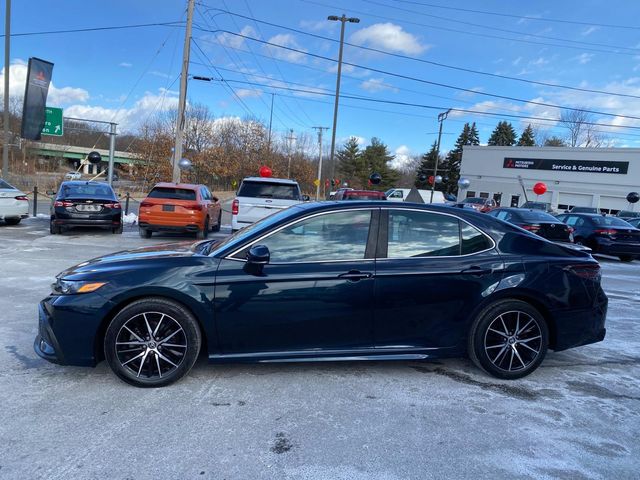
182 99
319 178
291 139
5 116
441 118
343 19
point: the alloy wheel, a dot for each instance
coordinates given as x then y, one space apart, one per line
151 345
513 341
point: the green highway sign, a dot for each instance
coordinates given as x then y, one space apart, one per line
53 124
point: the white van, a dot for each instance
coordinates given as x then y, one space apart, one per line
400 195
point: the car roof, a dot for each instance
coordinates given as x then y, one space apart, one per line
286 181
184 186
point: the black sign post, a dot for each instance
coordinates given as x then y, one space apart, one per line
35 98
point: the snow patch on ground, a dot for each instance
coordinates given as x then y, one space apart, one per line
130 219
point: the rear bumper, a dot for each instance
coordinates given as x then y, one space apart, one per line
617 248
15 211
581 327
111 219
169 228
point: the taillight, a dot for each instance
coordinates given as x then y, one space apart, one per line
113 205
192 206
531 228
146 205
59 203
605 231
571 229
235 207
22 197
590 271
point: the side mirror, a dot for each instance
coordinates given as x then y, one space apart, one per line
215 199
306 198
258 255
50 192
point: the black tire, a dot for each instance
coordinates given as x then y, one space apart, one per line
144 233
166 320
218 223
54 229
626 258
117 230
204 233
12 220
506 315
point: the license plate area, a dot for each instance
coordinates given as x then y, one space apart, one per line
168 208
89 208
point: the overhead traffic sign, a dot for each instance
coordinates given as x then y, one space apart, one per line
53 123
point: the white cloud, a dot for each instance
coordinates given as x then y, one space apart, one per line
157 73
235 41
318 25
589 31
402 157
377 85
388 36
584 58
539 62
248 92
57 96
516 62
286 40
125 64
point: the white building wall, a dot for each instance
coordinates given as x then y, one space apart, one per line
484 167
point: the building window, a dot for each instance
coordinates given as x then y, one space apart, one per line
515 200
498 198
470 194
484 194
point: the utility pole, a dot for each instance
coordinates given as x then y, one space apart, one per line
270 122
319 178
291 139
182 100
441 118
5 115
343 19
112 150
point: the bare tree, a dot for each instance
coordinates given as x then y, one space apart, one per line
582 132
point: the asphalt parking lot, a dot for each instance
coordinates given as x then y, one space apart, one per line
578 416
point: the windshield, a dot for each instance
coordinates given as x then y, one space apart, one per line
610 222
173 193
536 205
281 191
628 213
474 200
86 190
537 216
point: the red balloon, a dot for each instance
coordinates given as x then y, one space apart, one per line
265 171
539 188
431 179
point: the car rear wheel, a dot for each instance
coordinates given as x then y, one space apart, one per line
12 221
626 258
54 229
144 233
508 339
117 230
152 342
218 223
204 233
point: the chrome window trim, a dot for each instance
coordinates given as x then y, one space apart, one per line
493 243
248 245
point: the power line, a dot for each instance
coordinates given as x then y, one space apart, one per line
428 62
479 25
519 17
97 29
439 84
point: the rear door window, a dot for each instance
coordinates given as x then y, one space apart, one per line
281 191
173 193
422 234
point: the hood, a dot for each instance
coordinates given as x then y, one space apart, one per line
128 259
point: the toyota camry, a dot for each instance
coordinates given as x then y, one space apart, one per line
329 281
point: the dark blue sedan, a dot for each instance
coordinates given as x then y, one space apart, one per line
329 281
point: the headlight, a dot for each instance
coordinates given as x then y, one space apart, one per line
70 287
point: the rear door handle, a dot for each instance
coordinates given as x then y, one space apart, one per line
355 275
476 271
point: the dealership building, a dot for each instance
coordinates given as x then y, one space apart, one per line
586 177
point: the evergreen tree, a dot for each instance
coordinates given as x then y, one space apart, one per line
376 159
503 135
527 138
554 142
425 169
451 165
350 163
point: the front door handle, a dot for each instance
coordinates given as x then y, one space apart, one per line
476 271
355 275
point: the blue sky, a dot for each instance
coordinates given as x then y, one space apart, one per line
132 74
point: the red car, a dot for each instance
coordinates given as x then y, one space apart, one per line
483 205
350 194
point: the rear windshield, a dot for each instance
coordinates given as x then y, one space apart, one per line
362 196
173 193
86 190
474 200
610 222
4 184
628 213
537 216
537 205
269 190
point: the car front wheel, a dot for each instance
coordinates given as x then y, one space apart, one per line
508 339
152 342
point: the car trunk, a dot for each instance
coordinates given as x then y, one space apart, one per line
254 209
558 232
87 206
8 198
624 235
177 208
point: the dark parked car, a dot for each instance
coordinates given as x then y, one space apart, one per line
544 206
536 221
329 281
351 194
583 210
85 204
627 214
634 222
608 235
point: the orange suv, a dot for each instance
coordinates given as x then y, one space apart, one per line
179 207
